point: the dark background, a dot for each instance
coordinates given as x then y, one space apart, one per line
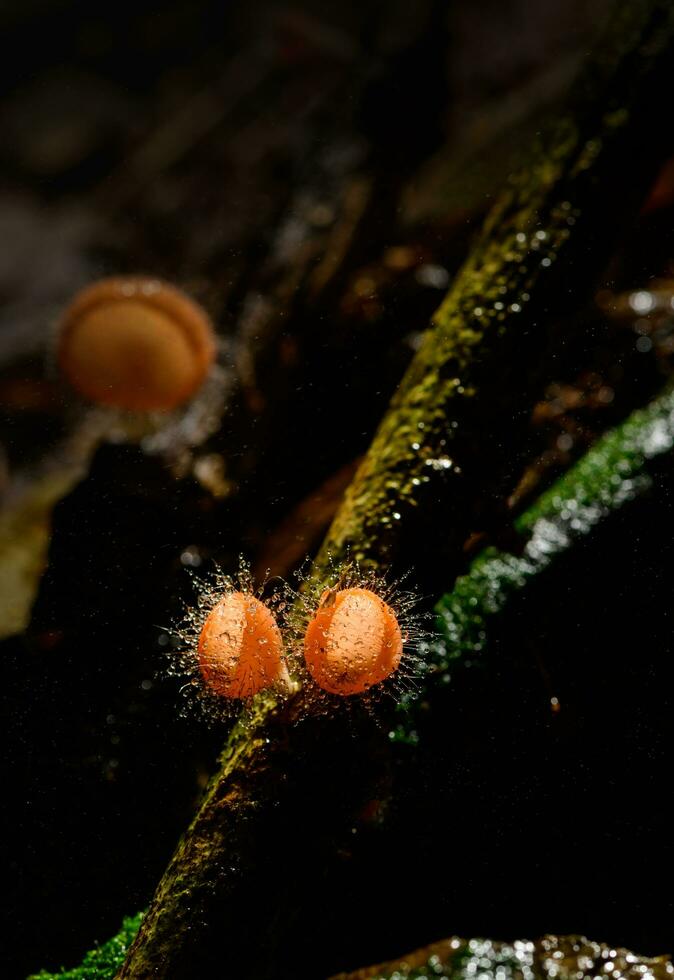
192 141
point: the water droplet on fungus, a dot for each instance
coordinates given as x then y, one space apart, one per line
240 647
352 642
136 344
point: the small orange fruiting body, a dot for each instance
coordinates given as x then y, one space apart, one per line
137 344
352 642
240 647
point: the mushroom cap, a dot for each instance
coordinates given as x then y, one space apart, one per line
352 642
240 648
135 343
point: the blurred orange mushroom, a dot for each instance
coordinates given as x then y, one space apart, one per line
135 343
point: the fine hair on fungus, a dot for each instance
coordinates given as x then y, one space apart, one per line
358 636
230 646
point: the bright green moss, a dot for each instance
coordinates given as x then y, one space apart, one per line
102 962
612 472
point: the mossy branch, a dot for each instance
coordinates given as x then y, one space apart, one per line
453 421
611 473
239 867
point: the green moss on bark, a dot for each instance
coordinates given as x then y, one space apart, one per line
611 473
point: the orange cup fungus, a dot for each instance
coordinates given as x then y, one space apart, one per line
240 648
137 344
352 642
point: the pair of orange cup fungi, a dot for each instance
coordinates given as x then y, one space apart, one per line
136 344
352 642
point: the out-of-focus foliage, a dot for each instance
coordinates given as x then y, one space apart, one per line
549 958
